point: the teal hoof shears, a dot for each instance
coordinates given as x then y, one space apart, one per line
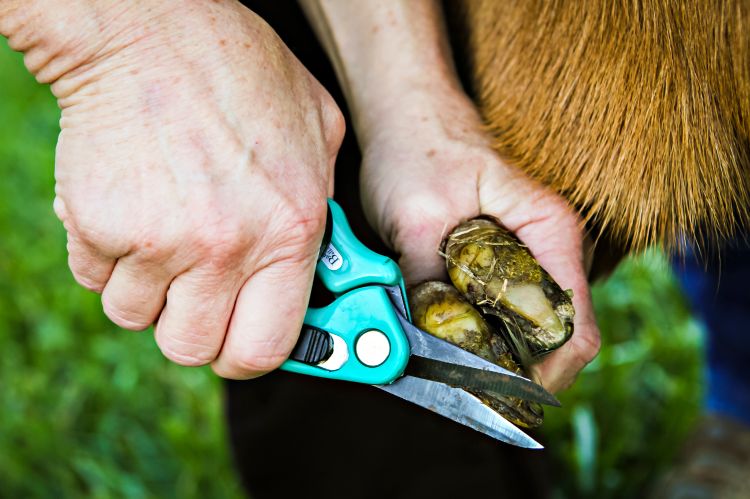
365 335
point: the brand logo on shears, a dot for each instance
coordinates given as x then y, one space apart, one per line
332 258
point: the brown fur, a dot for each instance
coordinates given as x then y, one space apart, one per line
637 111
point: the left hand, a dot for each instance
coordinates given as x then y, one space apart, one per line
433 167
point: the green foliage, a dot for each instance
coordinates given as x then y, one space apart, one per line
89 409
630 410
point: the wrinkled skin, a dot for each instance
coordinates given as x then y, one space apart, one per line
193 165
433 168
188 123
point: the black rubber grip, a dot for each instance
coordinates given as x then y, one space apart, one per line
313 346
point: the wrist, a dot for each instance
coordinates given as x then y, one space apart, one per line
430 114
392 59
57 41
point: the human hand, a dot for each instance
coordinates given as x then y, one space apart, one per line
193 166
432 167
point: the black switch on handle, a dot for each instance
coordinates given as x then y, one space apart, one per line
313 346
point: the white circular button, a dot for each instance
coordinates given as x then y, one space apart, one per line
372 348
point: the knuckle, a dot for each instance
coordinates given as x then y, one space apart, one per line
85 274
87 281
222 243
61 211
81 219
309 222
304 227
334 124
123 317
96 235
184 352
152 247
96 231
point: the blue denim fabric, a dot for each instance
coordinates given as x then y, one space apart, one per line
720 295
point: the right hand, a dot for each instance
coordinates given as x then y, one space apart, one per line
193 166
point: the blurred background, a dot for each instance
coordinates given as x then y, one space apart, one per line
89 409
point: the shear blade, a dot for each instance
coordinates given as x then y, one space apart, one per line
429 347
470 378
460 406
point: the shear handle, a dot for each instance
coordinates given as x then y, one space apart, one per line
346 263
346 321
361 312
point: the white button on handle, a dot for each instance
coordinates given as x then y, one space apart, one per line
373 348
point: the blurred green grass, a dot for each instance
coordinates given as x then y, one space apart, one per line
630 410
88 409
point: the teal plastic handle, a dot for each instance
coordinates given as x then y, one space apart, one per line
348 317
355 274
348 264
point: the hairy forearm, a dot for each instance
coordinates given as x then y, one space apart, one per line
386 54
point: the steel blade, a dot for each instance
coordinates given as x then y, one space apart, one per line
470 378
460 406
427 346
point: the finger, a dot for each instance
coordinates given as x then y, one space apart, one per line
135 293
559 369
192 326
90 268
553 235
563 259
564 262
267 320
562 256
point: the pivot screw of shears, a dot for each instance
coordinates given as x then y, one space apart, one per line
372 348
